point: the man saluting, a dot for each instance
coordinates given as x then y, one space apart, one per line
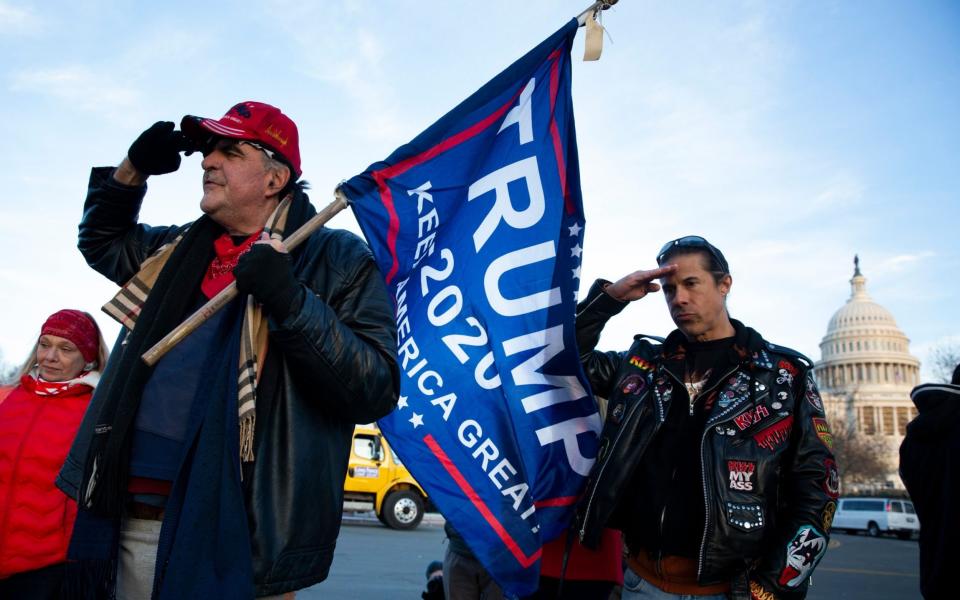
218 472
715 456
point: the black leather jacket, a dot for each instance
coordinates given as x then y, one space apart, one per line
332 364
769 480
930 468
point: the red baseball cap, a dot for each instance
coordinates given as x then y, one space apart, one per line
255 122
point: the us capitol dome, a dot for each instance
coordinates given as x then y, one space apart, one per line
866 371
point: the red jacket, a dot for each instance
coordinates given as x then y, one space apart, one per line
36 519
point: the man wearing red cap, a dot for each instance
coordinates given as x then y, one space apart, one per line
220 469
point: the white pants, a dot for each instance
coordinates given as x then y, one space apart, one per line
138 559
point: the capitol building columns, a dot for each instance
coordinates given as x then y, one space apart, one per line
866 372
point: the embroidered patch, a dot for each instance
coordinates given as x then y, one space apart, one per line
803 553
751 416
735 391
633 384
242 110
831 481
726 399
785 377
813 397
748 517
787 366
740 382
823 431
758 592
741 473
778 433
641 363
828 513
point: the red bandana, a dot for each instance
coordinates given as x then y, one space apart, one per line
220 272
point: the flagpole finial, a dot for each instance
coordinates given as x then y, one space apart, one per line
593 9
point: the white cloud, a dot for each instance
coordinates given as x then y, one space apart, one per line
361 77
338 48
902 262
79 86
178 44
17 20
842 190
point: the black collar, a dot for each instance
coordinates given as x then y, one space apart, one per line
749 350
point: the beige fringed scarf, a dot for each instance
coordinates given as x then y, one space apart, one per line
126 305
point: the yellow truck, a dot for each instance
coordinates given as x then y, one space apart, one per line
376 475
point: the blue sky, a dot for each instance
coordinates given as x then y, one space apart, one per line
791 134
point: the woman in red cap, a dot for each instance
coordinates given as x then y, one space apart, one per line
39 418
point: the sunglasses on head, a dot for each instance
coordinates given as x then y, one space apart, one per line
697 242
213 142
270 153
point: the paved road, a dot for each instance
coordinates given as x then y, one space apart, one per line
373 562
857 567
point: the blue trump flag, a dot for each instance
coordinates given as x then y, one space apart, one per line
477 227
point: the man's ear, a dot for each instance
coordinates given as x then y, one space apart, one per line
726 282
277 180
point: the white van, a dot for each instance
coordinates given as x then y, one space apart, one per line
876 516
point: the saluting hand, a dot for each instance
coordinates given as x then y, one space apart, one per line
638 284
157 150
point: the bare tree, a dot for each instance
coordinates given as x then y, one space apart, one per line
7 371
944 358
860 457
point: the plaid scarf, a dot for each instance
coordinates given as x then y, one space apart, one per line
127 305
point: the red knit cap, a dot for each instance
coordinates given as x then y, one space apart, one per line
76 326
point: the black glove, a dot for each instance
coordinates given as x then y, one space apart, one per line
157 150
267 275
434 589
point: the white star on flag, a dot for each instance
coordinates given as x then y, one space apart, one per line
576 251
402 402
417 420
576 273
575 229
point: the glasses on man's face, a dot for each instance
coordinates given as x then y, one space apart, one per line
693 241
